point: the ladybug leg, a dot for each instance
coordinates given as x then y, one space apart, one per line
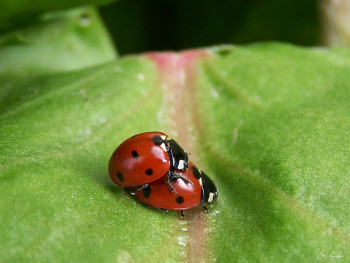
174 176
137 188
182 214
177 176
185 179
168 181
206 209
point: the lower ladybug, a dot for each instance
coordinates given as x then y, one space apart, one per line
200 189
146 157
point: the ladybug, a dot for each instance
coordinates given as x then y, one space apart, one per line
157 194
146 157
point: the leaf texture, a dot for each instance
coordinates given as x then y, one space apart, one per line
268 122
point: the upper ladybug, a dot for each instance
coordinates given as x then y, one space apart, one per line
144 158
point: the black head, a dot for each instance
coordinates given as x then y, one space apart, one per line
178 157
209 190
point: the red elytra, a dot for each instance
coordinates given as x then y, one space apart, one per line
139 160
158 194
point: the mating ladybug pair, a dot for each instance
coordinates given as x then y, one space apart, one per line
157 172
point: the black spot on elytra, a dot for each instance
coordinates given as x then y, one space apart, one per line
134 154
146 192
149 171
120 176
196 173
179 199
157 140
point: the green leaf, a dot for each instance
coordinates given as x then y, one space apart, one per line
19 11
59 41
269 123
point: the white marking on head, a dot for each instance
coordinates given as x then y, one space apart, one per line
211 197
163 137
181 165
200 181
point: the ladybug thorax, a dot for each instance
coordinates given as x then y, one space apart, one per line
209 190
178 157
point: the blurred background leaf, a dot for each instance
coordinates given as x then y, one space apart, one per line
19 12
138 25
58 41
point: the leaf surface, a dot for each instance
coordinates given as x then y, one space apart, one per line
268 122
